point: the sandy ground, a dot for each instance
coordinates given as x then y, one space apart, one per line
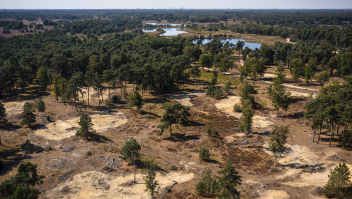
184 98
62 129
14 108
301 159
226 105
301 94
95 184
274 194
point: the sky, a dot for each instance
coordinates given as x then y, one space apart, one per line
187 4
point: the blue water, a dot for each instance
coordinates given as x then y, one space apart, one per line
163 24
234 41
168 31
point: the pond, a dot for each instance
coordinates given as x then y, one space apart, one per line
234 41
169 32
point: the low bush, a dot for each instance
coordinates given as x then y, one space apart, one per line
204 154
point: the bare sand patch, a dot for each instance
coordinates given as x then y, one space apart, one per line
14 108
275 194
301 94
94 184
226 105
302 158
62 129
184 98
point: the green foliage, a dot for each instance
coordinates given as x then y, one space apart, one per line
280 98
40 105
237 108
252 68
204 154
225 64
338 185
206 185
86 124
323 77
346 64
151 184
3 120
192 52
130 149
214 79
310 69
27 116
246 118
174 113
246 91
227 182
212 132
278 140
43 77
206 60
135 99
215 92
19 186
116 99
227 87
48 148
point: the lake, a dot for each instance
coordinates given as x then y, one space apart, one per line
234 41
169 32
163 24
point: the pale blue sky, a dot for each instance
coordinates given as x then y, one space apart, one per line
199 4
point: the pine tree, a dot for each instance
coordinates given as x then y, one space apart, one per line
151 184
227 182
278 140
43 77
339 181
246 118
173 114
135 99
86 124
28 117
40 105
3 120
207 184
130 152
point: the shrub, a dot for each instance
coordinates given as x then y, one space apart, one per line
206 185
115 99
28 117
227 87
212 132
214 92
174 168
86 124
48 118
48 148
337 186
237 108
40 105
204 154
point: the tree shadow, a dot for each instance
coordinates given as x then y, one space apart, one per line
296 115
9 164
181 137
143 112
211 161
100 138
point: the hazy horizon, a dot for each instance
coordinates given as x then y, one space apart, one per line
185 4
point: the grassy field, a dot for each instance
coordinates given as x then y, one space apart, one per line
208 75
